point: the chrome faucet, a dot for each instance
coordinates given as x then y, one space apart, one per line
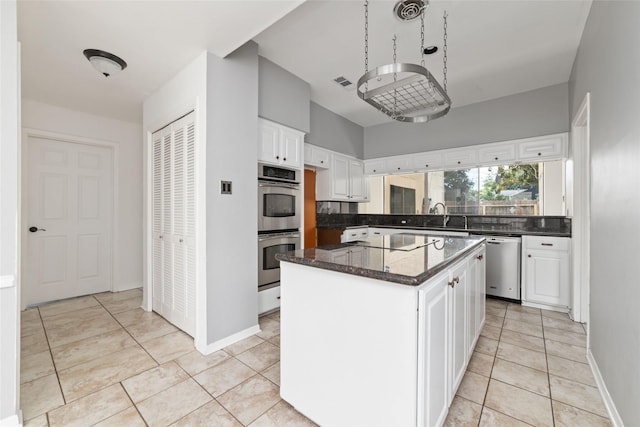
445 217
466 223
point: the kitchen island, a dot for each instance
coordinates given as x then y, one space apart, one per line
378 332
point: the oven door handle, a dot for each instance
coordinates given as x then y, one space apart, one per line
294 237
278 184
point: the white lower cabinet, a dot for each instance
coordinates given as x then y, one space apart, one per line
459 326
269 299
545 272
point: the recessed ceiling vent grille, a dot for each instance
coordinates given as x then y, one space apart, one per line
342 81
408 10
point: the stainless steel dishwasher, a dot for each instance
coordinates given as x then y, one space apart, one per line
503 266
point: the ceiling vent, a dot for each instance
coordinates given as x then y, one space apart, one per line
342 82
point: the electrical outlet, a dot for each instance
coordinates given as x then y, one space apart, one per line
225 187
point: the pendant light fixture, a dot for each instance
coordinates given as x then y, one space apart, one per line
106 63
405 92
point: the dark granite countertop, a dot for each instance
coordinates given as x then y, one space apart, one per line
404 258
487 230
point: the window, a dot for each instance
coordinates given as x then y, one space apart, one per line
403 200
519 189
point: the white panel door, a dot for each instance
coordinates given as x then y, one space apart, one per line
174 223
70 203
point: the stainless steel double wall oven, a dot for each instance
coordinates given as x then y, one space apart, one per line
279 198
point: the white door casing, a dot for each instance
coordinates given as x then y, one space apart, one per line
70 199
579 209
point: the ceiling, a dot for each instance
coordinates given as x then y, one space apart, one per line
156 38
495 48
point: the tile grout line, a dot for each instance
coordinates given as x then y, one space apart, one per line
133 403
55 368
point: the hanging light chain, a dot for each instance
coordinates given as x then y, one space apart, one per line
422 36
395 77
444 49
366 42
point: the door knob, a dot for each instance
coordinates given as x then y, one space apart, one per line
34 229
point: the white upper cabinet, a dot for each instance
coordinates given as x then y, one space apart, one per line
344 180
399 164
315 156
552 147
279 144
529 150
461 158
497 154
375 167
427 161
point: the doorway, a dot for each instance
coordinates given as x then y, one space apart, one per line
68 219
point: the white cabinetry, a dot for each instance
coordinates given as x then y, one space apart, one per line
545 272
433 378
553 147
315 156
344 180
426 347
351 234
279 144
497 154
529 150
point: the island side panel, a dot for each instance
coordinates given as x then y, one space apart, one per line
348 348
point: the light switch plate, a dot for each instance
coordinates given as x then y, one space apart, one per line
225 187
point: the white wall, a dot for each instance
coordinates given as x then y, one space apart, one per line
608 65
127 255
9 215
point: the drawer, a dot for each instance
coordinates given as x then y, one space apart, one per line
268 300
546 243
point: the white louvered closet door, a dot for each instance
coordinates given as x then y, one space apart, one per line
174 223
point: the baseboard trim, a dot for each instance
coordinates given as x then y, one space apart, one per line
220 344
606 397
13 420
127 287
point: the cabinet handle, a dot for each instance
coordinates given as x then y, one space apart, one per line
480 257
459 162
284 159
181 240
546 244
529 255
277 157
321 161
539 154
452 283
496 158
160 237
376 233
457 279
426 166
398 168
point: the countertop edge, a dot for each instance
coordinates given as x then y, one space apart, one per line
377 275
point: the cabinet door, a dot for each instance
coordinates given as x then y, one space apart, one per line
399 164
460 159
497 154
357 184
340 177
375 167
290 147
427 161
552 147
433 313
268 142
315 156
546 277
458 331
481 288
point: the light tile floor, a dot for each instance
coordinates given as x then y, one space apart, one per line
101 360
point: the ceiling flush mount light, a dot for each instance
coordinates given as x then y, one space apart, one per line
405 92
106 63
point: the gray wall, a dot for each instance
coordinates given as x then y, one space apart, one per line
332 131
608 66
283 97
232 154
534 113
